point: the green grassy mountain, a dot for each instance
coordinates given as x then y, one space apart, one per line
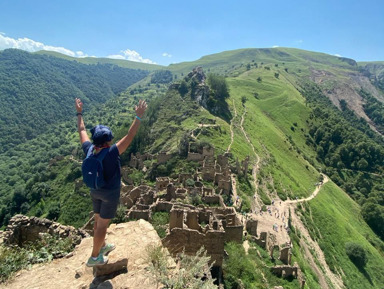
294 113
96 60
36 91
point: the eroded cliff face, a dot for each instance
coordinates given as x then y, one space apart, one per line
127 266
347 86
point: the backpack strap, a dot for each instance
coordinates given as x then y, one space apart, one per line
90 151
101 155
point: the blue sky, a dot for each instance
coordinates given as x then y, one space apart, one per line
165 32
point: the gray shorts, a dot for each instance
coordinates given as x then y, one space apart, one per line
105 202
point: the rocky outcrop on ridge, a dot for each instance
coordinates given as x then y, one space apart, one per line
23 229
127 266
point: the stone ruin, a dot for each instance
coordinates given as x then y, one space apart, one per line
199 156
286 271
22 230
191 228
267 241
137 160
216 171
186 226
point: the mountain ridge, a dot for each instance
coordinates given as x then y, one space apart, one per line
282 118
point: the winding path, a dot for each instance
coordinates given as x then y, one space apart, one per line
256 203
231 126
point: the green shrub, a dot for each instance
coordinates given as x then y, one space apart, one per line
193 271
160 221
238 269
120 215
356 253
15 259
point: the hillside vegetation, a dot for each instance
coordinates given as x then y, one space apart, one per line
36 91
276 110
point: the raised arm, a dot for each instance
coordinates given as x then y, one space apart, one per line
124 143
80 123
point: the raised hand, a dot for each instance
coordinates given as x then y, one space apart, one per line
78 105
140 109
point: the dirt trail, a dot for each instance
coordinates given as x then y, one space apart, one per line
276 220
256 200
319 255
231 126
256 203
201 125
278 215
311 244
315 192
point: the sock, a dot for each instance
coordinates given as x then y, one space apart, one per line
94 258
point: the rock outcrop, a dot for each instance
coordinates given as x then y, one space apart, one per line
200 91
23 229
127 266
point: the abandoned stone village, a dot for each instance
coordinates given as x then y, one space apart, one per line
210 224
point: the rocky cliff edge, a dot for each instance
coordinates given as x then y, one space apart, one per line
127 267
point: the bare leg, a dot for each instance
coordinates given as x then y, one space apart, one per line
100 230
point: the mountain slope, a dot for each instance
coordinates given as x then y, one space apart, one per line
96 60
285 113
38 90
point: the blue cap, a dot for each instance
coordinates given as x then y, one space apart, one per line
101 134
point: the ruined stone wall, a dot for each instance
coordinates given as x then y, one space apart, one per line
162 183
208 191
126 201
163 157
285 255
212 199
204 216
162 206
262 240
251 227
210 152
234 234
285 271
225 185
192 220
141 207
22 229
147 198
191 241
176 218
195 157
208 174
222 160
171 193
224 211
139 214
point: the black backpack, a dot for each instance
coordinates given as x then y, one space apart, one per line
92 168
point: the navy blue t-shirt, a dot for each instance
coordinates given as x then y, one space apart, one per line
111 166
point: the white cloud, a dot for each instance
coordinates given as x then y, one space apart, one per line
165 54
81 54
32 46
338 55
131 55
299 41
275 46
116 56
